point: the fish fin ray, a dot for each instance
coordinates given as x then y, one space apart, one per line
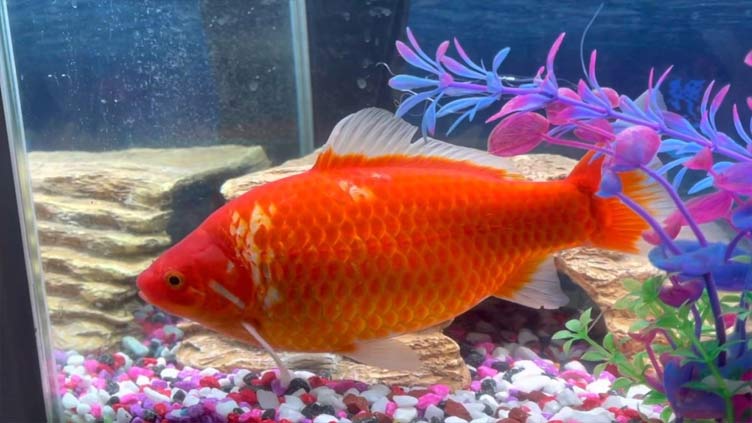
285 376
536 284
618 227
375 136
386 353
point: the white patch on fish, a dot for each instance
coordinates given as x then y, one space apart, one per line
256 257
230 267
355 192
221 290
272 297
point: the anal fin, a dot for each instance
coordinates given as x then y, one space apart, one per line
387 353
536 284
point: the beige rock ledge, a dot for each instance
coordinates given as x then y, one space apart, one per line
439 354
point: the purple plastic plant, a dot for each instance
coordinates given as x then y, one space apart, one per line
630 134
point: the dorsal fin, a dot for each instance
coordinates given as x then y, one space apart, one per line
376 135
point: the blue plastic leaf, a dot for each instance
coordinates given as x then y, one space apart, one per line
409 82
412 101
716 103
458 68
703 184
458 105
677 122
493 83
416 46
523 103
720 166
466 58
499 58
588 97
679 177
742 217
412 58
672 164
671 144
610 183
428 124
629 107
739 129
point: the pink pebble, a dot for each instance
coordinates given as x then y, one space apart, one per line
99 383
484 371
391 407
246 417
123 377
75 380
342 414
428 399
91 366
128 398
441 390
256 413
622 419
607 375
475 385
96 411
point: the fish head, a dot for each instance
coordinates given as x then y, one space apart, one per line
197 279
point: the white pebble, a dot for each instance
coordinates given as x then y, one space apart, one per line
329 397
209 371
463 395
500 353
239 376
635 390
123 416
74 370
108 413
155 396
489 401
454 419
128 361
535 418
475 409
224 408
294 402
289 413
526 336
484 419
531 383
434 411
82 409
91 398
502 396
169 372
69 401
267 399
554 386
567 397
405 415
217 394
477 337
161 361
600 386
127 387
552 406
596 415
372 395
75 360
190 400
613 401
575 365
524 353
405 401
379 406
142 380
325 418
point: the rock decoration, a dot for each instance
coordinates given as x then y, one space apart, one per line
102 217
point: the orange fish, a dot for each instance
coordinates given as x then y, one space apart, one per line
383 236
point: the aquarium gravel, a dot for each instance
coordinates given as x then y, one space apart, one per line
518 375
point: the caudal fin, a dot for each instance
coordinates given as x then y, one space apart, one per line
618 227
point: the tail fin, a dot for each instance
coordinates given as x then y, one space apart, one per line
617 226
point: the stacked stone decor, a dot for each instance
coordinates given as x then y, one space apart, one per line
103 217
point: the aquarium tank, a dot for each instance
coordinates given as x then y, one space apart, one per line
375 211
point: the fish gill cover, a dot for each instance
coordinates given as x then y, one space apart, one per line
702 365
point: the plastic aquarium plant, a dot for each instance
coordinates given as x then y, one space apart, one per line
703 364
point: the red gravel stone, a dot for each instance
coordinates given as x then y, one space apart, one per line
382 418
453 408
208 382
518 414
355 404
508 420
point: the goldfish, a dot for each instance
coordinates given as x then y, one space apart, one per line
385 235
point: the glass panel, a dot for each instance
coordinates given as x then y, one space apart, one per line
134 114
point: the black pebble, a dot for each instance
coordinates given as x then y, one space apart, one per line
268 414
113 400
435 419
238 410
112 387
313 410
158 317
501 366
511 372
149 416
475 359
370 419
178 396
248 379
297 384
488 410
106 359
488 386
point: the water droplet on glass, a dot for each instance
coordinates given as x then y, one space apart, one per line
253 86
103 101
346 15
361 83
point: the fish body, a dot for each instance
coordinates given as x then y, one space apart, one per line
368 245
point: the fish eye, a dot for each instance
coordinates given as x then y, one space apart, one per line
174 279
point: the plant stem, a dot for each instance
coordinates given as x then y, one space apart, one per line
724 391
